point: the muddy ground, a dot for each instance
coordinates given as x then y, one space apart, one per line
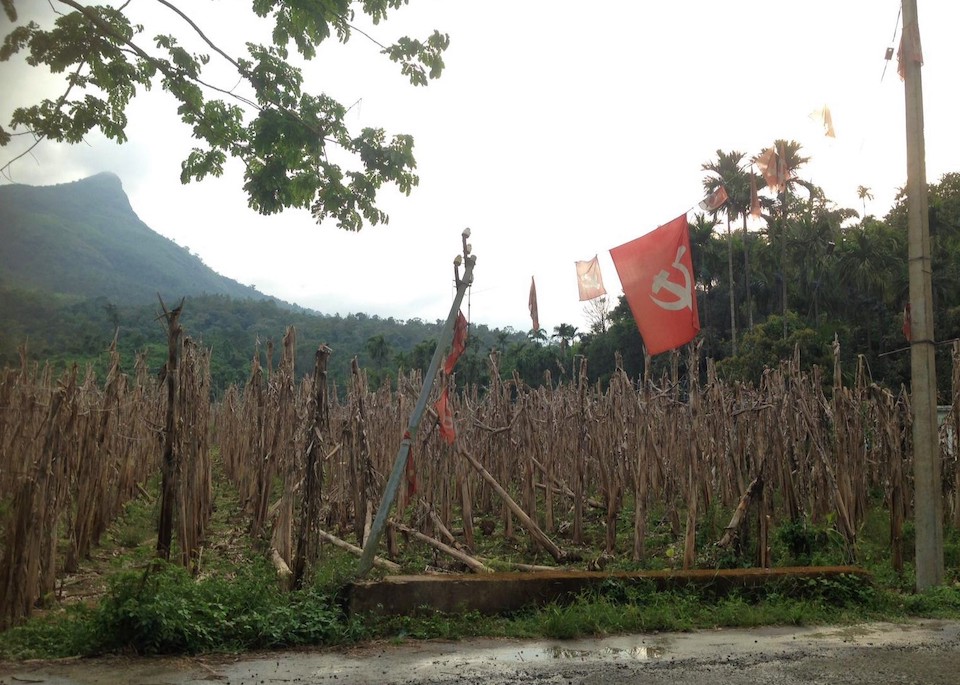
917 652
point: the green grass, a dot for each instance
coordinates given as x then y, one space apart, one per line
161 609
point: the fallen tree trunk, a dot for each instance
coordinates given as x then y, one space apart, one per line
473 564
356 551
284 574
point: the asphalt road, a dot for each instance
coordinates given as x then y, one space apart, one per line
919 652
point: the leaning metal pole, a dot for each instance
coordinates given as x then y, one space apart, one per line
928 517
446 334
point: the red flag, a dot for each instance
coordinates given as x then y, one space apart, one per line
411 471
910 48
589 281
715 200
442 405
754 198
906 322
532 303
459 343
657 277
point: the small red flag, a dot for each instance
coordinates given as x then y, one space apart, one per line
714 200
656 272
532 304
754 198
447 430
459 344
589 280
907 332
411 471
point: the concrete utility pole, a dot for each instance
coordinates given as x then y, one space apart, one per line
928 507
446 334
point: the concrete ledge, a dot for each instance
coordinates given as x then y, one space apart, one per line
496 593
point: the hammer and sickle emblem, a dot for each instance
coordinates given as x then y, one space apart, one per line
684 293
589 280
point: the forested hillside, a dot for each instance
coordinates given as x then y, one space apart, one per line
61 332
83 240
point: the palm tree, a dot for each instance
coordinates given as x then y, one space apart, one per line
811 242
871 267
863 192
788 160
565 333
379 349
725 172
707 259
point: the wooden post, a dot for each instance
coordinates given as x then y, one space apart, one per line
307 536
168 468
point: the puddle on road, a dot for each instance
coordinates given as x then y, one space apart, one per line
568 652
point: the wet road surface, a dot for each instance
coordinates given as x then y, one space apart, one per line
916 652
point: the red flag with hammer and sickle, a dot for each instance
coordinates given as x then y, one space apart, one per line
656 273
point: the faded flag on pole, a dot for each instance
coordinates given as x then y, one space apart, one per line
656 273
822 116
754 197
767 164
445 416
589 280
459 343
532 304
910 48
714 200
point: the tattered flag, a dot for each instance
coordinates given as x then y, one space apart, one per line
589 280
754 197
714 200
823 117
459 344
445 416
532 304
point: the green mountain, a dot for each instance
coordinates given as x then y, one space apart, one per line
78 269
83 240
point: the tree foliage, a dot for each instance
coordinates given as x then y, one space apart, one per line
284 136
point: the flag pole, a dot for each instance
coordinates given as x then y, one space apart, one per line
446 334
928 510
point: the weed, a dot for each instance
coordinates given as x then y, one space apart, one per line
802 543
938 602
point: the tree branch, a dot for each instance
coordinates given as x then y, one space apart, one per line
160 64
201 34
5 169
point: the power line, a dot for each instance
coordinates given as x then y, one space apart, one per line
893 41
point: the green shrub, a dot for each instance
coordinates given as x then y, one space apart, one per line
164 610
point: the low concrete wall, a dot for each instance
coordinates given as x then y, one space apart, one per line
496 593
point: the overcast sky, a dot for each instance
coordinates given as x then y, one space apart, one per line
559 130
